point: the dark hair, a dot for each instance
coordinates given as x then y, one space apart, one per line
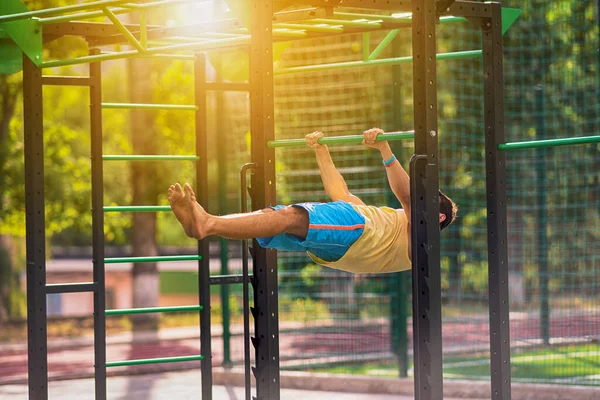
448 208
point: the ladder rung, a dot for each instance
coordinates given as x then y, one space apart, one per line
66 80
131 106
136 208
70 287
118 260
153 361
149 310
148 158
226 279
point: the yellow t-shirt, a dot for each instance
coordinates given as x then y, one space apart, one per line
382 247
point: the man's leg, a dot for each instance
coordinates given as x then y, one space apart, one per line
266 223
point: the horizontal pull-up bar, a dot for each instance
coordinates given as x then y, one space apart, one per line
349 139
457 55
549 143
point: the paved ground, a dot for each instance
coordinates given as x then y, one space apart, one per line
180 386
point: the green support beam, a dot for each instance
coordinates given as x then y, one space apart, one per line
149 310
458 55
347 23
121 260
96 5
123 29
114 157
383 44
350 139
549 143
154 361
310 28
109 209
202 45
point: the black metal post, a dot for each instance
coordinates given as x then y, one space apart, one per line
221 112
266 312
203 248
496 204
427 319
399 283
37 344
542 218
246 281
98 228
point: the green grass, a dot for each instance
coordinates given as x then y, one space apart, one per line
551 365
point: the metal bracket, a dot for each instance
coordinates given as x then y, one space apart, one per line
442 6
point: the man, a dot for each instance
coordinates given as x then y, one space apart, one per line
344 234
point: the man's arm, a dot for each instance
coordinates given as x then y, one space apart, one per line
334 183
397 176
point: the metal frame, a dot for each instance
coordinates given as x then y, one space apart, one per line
262 126
98 228
37 339
496 204
424 174
427 304
203 249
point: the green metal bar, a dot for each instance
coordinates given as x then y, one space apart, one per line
205 45
366 45
121 260
146 6
96 5
350 139
132 106
448 19
108 209
125 9
153 361
144 28
459 55
115 157
309 27
119 25
183 57
384 43
149 310
549 143
371 17
81 16
348 24
276 32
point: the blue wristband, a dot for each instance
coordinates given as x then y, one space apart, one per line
390 161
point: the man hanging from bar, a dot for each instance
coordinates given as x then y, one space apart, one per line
345 233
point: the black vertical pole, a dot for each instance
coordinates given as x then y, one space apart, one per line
496 205
427 318
98 227
399 283
262 125
542 219
202 198
37 344
221 112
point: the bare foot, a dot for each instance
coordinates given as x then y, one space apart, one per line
199 217
179 206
